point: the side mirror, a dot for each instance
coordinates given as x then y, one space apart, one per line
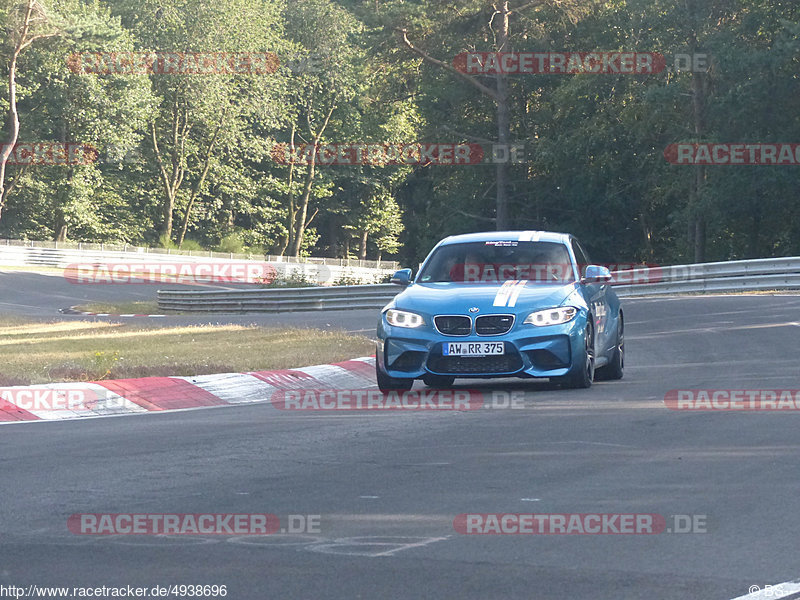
596 274
402 277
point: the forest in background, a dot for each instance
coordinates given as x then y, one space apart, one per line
188 160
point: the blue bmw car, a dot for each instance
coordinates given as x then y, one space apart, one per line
502 304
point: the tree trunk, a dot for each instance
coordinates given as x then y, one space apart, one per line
700 239
646 235
290 213
302 210
173 179
200 181
302 221
503 127
697 208
755 234
13 115
362 254
166 215
13 118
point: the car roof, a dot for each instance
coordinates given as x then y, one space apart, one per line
508 236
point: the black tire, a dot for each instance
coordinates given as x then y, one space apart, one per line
616 368
581 374
389 384
438 382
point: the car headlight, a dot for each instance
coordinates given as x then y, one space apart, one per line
551 316
403 318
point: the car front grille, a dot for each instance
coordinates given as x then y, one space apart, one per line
474 365
493 324
453 324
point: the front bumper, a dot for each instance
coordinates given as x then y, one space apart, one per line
530 351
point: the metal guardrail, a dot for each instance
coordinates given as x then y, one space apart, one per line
731 276
734 276
351 297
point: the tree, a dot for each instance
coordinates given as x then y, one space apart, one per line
58 105
499 26
26 22
321 29
199 113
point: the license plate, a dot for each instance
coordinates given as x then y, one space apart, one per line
473 348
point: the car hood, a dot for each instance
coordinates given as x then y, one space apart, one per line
458 298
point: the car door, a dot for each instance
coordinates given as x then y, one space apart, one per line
596 295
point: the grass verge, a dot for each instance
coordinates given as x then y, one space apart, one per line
39 352
122 308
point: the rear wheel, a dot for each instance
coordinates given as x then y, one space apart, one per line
388 384
581 374
615 368
438 382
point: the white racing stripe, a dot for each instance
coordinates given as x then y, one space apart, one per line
512 301
509 292
529 236
775 591
503 293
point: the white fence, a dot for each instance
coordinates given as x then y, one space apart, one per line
324 271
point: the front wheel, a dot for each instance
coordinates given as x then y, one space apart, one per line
388 384
581 375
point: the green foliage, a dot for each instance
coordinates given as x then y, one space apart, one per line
231 243
192 245
347 279
292 280
104 362
594 142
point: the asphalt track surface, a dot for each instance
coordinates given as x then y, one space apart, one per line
387 486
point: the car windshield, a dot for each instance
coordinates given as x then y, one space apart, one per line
499 261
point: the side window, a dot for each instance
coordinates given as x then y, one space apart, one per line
580 257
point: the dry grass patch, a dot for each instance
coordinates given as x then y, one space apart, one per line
36 352
122 308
